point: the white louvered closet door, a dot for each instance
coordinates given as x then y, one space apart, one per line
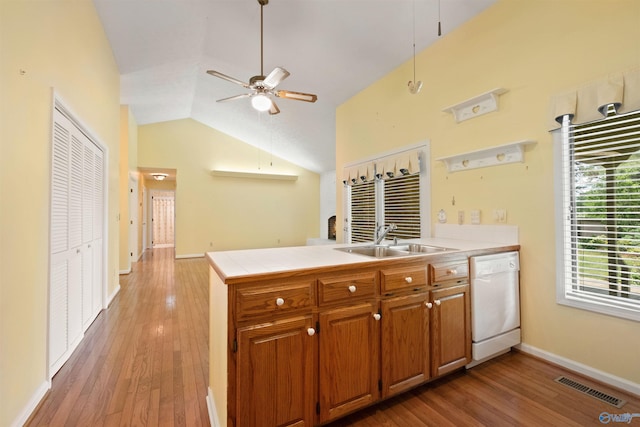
76 183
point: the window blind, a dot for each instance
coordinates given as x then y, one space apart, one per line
402 206
363 212
601 168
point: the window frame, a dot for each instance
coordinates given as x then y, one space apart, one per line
565 252
424 193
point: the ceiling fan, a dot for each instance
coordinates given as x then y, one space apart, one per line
261 87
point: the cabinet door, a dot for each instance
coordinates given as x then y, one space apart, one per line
451 329
349 364
275 374
405 343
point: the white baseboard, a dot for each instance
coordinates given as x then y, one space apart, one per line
211 407
32 404
596 374
127 271
200 255
113 295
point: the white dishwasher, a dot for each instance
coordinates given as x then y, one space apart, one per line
495 304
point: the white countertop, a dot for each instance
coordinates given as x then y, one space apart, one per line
250 262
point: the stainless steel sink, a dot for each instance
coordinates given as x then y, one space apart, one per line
383 251
425 249
375 251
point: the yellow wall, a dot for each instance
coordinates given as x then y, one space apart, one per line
534 49
217 213
60 45
128 167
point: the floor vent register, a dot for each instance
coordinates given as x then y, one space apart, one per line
600 395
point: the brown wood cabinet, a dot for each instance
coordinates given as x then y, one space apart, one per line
349 370
275 374
451 329
405 343
426 331
308 349
450 317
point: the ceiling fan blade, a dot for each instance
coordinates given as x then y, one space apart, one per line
232 98
275 77
298 96
274 108
228 78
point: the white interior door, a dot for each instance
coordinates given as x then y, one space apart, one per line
133 220
144 219
163 218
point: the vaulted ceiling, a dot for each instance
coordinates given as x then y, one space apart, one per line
332 48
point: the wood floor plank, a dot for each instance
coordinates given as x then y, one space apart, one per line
145 362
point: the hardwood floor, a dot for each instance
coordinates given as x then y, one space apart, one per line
144 361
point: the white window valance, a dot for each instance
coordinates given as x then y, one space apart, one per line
405 163
589 102
359 173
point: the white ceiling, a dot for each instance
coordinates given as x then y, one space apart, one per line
333 48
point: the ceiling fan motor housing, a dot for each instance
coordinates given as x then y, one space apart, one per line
257 81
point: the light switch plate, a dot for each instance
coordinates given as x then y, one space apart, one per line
475 216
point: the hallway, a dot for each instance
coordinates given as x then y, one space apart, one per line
144 360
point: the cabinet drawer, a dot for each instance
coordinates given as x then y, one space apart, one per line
344 288
279 298
396 279
451 270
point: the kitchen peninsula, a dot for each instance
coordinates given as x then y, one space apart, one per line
301 336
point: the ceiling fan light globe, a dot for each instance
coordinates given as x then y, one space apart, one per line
261 102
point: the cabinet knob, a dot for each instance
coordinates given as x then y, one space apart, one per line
437 302
376 316
428 304
452 272
311 332
279 301
352 288
408 279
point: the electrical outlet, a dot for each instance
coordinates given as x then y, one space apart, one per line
475 216
460 217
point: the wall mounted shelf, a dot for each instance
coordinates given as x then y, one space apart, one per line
499 155
476 106
253 175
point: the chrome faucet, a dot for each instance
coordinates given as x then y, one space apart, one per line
379 237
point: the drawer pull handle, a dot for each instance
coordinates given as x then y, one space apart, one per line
408 279
376 316
311 332
452 271
352 288
428 304
279 301
437 302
